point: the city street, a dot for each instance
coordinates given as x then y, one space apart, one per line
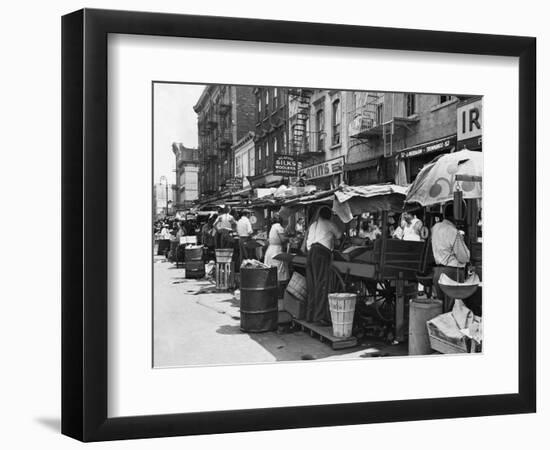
196 328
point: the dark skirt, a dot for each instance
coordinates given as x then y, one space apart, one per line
317 273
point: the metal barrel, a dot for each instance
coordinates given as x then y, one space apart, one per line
193 254
194 269
259 303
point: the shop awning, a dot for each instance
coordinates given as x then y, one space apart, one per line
361 165
350 201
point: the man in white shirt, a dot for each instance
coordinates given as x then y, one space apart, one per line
319 244
450 254
224 225
244 230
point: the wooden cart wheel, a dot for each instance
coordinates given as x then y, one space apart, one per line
384 304
335 282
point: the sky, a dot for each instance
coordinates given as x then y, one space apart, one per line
175 121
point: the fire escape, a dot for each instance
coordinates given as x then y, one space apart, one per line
304 144
380 118
208 130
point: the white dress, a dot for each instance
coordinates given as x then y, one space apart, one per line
275 247
409 232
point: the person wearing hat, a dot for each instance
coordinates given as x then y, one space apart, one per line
319 244
244 230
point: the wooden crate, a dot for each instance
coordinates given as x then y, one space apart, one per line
324 334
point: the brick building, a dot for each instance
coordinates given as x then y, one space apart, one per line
187 168
271 133
225 115
317 137
396 132
368 137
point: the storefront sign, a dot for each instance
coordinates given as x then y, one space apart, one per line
444 144
234 184
325 169
469 124
284 165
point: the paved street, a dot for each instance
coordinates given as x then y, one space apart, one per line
192 328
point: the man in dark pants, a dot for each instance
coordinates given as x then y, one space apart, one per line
244 230
450 254
320 243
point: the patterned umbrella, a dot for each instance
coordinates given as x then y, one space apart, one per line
437 180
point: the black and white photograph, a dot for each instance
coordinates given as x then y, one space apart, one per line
275 225
311 224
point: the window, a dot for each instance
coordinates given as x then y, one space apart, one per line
259 111
238 166
284 149
410 104
266 101
251 162
266 149
275 97
379 113
445 98
275 145
336 122
320 119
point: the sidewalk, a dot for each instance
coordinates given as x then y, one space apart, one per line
196 328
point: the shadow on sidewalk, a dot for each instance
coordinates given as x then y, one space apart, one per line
229 329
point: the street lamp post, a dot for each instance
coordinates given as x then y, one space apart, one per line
166 184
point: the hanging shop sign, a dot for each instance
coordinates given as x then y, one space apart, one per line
440 145
324 169
469 124
285 165
234 184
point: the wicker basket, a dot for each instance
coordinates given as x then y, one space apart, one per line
224 255
297 286
342 310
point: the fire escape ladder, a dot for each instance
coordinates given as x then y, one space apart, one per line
299 136
388 130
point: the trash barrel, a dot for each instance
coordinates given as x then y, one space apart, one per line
194 263
420 312
259 303
193 254
342 309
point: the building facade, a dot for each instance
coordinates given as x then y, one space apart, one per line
317 135
270 133
332 136
187 175
225 115
392 135
245 159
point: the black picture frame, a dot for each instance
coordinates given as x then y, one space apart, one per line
84 224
